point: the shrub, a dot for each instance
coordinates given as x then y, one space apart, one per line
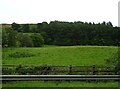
25 40
8 71
37 39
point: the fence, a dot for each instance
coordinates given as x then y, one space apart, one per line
59 77
60 70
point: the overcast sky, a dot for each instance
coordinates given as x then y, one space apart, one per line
35 11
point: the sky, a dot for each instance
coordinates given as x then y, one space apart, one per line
36 11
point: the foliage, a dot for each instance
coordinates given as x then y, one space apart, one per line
16 27
79 33
9 37
4 38
8 71
31 70
25 27
25 40
71 33
58 70
12 38
37 39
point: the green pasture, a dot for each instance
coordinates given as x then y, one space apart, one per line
59 55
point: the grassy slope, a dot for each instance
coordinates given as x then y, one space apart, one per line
64 55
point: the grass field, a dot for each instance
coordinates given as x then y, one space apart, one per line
55 55
61 84
59 55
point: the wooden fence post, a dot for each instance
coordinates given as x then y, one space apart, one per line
70 69
93 68
116 70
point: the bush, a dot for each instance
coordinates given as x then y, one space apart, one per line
9 38
36 70
37 39
8 71
25 40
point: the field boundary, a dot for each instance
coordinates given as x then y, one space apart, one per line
59 77
60 70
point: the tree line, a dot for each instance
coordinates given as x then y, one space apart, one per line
11 38
61 33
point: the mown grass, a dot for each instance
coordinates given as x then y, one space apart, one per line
60 84
63 55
